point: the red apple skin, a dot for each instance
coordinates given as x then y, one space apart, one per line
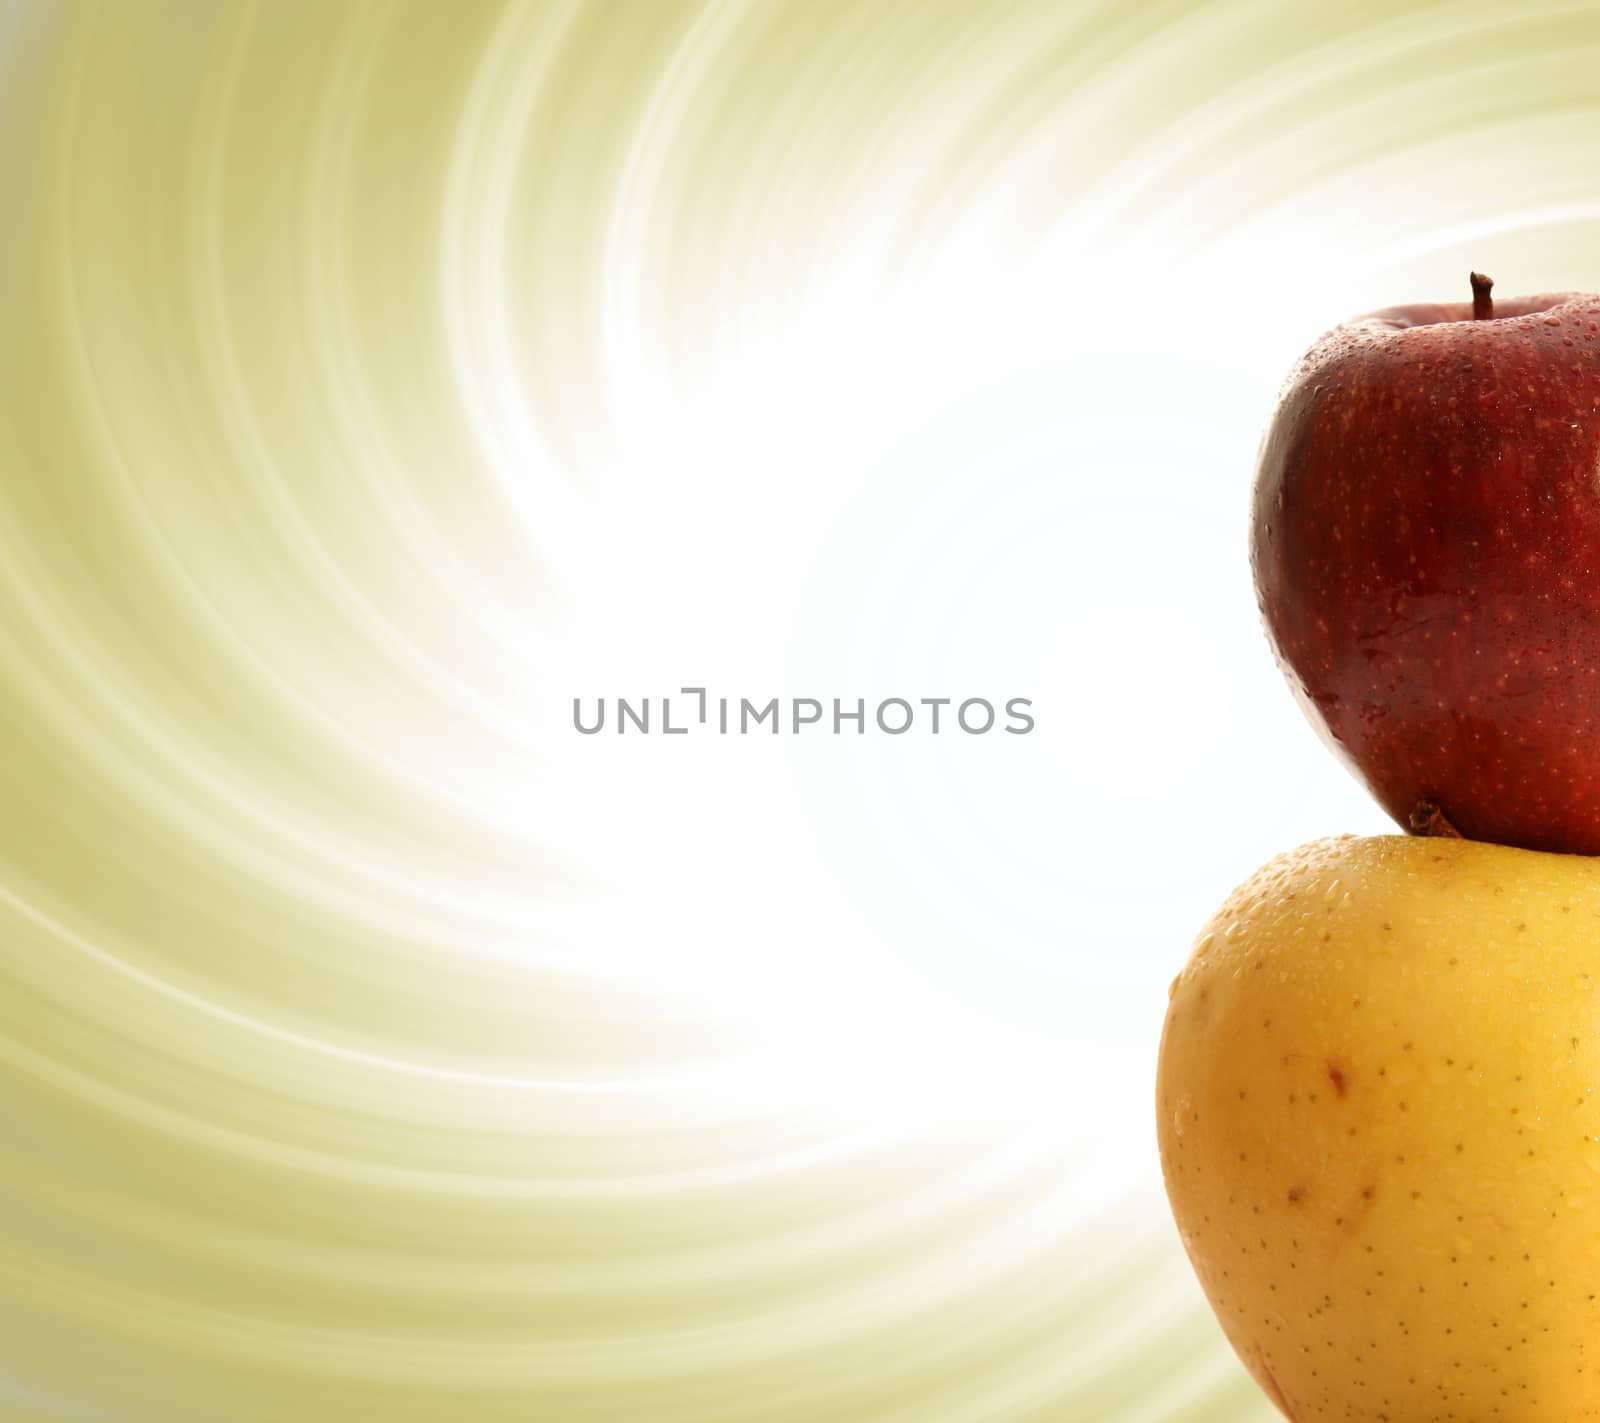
1425 539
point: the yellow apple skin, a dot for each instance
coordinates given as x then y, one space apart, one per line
1380 1130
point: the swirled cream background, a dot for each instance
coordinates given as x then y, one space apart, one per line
376 378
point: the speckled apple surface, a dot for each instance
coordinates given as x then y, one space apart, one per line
1426 547
1380 1133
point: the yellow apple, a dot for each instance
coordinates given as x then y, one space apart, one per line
1380 1131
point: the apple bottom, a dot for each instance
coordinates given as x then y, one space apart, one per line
1380 1135
1514 772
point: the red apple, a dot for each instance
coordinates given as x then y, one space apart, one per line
1426 546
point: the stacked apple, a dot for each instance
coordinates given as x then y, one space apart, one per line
1377 1103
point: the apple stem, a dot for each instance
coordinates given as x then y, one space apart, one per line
1482 302
1427 819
